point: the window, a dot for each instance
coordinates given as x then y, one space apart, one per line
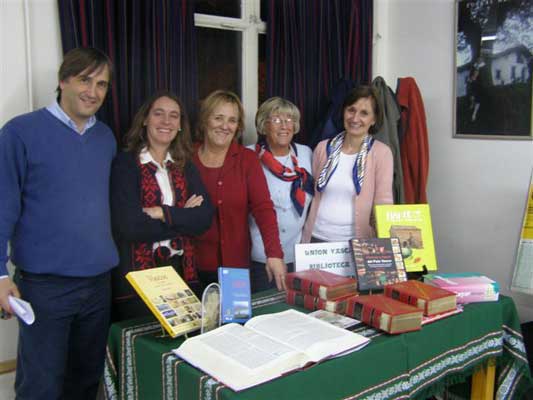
231 52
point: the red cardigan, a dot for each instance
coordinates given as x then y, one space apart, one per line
236 189
414 148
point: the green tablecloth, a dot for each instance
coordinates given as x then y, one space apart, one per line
140 364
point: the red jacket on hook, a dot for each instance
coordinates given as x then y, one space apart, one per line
414 146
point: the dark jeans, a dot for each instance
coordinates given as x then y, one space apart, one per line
61 356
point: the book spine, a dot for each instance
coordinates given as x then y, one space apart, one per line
471 293
306 301
372 316
303 285
473 296
364 313
406 298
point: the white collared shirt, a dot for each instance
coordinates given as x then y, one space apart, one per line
163 181
56 110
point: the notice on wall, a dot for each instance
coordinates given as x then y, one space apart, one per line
335 257
523 270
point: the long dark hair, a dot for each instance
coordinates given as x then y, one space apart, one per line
180 148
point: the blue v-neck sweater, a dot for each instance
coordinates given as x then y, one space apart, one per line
54 196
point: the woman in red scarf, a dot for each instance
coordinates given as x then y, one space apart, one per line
287 167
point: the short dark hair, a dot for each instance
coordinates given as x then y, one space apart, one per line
80 59
137 137
364 92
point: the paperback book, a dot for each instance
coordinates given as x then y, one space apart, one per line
169 298
235 295
313 303
378 262
430 299
469 287
266 347
320 283
411 224
429 319
382 312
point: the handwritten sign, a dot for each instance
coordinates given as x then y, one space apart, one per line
335 257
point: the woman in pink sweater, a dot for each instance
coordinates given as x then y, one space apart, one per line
353 172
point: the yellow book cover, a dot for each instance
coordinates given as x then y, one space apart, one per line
411 223
169 298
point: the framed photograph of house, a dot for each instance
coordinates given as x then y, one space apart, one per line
493 69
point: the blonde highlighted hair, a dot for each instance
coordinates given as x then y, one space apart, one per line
212 101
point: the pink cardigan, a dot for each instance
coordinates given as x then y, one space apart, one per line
377 188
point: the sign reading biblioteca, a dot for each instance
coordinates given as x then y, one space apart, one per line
335 257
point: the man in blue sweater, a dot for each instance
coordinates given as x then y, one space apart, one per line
54 211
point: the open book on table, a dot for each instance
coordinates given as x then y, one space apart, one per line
266 347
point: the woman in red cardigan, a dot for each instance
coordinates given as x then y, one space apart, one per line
236 186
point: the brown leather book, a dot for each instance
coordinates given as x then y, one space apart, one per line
323 284
313 303
430 299
382 312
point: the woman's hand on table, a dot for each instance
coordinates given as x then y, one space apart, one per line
276 269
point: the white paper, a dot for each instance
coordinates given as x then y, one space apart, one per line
22 309
334 257
246 346
310 335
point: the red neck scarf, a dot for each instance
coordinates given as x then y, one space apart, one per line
302 180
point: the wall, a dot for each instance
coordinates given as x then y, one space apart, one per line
477 188
45 54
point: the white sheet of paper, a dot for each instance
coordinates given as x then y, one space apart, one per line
22 309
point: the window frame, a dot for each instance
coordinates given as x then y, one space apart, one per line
250 26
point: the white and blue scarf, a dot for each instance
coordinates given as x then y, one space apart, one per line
333 149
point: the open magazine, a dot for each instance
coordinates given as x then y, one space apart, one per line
266 347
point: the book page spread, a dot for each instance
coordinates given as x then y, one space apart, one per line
267 347
239 357
316 338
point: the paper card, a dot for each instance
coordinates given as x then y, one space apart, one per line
335 257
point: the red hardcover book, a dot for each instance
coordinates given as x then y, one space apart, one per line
313 303
430 299
382 312
323 284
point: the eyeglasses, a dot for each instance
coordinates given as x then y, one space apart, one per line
278 121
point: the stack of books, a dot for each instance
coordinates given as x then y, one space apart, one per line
470 287
403 306
320 290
